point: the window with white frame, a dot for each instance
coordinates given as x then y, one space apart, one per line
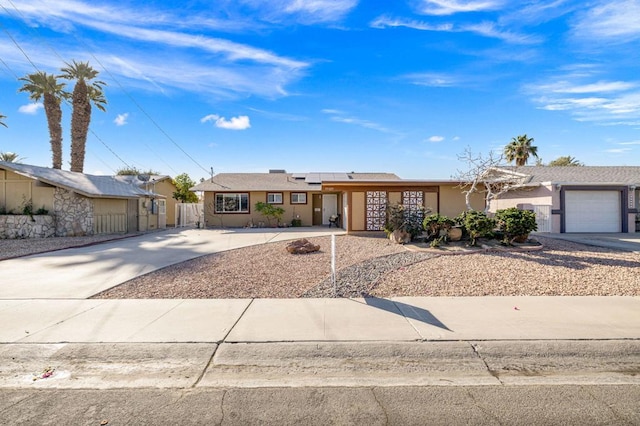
298 198
274 197
232 203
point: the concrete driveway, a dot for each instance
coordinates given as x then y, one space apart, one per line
617 241
81 272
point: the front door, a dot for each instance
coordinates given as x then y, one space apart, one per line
317 209
329 207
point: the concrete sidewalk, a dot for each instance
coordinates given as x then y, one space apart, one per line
319 320
105 344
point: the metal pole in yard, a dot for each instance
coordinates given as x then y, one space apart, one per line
333 265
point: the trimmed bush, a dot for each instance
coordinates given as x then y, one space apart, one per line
516 224
436 223
478 225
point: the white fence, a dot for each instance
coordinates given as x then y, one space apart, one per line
189 214
543 218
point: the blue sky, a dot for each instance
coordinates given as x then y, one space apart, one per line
398 86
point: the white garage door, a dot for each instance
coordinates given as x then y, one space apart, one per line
592 211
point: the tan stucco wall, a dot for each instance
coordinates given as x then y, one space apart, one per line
167 188
452 201
16 189
109 206
541 196
234 220
358 212
109 216
431 202
394 198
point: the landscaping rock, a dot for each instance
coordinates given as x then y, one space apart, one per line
302 246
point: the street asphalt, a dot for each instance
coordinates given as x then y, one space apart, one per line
237 361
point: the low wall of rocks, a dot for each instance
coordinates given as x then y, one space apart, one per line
24 226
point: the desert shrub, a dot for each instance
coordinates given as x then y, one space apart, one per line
436 223
270 212
514 223
478 225
400 218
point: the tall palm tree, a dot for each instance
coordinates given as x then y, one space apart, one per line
10 157
87 90
45 86
2 123
519 150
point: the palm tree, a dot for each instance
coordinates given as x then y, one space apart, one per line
2 117
10 157
86 91
45 86
519 150
565 161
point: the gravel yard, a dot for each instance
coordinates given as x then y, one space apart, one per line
371 265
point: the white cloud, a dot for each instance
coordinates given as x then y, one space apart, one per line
121 119
31 109
485 29
384 21
456 138
234 123
616 21
432 79
601 101
303 11
341 117
449 7
436 138
220 67
320 10
617 150
630 143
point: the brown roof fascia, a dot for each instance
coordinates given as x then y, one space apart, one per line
431 186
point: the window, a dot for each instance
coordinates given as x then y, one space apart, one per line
232 203
298 198
274 197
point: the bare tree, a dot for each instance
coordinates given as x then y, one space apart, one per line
483 175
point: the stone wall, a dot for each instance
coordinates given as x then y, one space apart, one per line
24 226
73 212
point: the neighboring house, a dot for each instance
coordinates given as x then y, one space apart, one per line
77 203
158 184
575 198
359 199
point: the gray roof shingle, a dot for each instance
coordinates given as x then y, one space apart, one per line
283 181
92 186
621 175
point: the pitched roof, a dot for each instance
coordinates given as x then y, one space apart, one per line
284 181
619 175
88 185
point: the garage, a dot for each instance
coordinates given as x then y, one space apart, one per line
592 211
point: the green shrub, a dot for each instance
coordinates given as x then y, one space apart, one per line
436 223
270 212
403 219
515 223
27 208
478 225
